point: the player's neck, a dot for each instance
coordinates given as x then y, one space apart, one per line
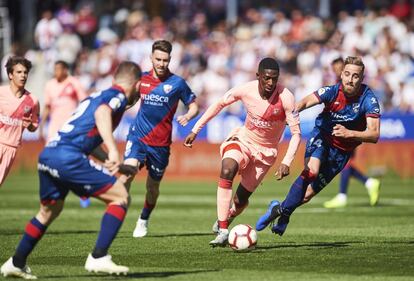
17 91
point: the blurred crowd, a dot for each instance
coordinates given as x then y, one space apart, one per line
214 54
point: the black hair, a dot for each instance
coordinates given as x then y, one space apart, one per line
268 63
62 63
162 45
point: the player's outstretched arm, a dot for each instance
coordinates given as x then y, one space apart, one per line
188 142
308 101
371 133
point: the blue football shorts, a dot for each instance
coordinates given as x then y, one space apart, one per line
333 159
65 168
155 158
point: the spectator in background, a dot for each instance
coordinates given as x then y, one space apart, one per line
19 110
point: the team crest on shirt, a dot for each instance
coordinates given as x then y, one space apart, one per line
26 109
276 111
167 88
355 107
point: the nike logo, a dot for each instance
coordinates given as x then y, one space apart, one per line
337 102
145 84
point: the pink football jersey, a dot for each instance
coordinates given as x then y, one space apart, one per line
12 110
63 98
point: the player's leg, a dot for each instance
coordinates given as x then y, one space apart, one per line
52 201
234 157
371 184
7 155
315 152
340 200
117 200
157 162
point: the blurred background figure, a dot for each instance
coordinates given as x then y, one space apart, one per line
61 97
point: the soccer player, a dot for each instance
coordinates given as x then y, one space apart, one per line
149 137
251 149
62 95
371 184
18 110
64 166
351 116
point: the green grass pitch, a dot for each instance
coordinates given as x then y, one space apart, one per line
358 242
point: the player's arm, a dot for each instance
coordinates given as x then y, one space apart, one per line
292 118
32 122
371 133
103 118
306 102
191 113
212 111
100 154
45 116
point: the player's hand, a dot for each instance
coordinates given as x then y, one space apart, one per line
188 142
340 131
113 161
128 170
183 120
282 172
27 121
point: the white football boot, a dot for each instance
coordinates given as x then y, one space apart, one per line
221 239
8 269
141 229
105 265
215 227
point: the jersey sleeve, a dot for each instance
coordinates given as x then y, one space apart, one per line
229 97
187 96
326 94
116 102
35 113
292 116
372 108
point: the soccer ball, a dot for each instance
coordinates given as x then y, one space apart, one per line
242 237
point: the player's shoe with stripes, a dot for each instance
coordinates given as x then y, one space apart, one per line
373 187
9 270
104 265
215 227
273 211
221 239
141 229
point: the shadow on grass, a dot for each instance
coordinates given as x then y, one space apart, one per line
311 245
161 274
178 235
63 232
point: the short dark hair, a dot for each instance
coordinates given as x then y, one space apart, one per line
62 63
356 61
162 45
128 68
14 60
337 60
268 63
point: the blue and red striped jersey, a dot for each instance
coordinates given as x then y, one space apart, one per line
80 129
159 101
350 112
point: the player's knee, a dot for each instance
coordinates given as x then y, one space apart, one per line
228 173
48 213
308 175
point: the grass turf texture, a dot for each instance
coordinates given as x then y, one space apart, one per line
358 242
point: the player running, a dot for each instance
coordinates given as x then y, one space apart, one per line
64 165
18 110
149 138
351 116
252 149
